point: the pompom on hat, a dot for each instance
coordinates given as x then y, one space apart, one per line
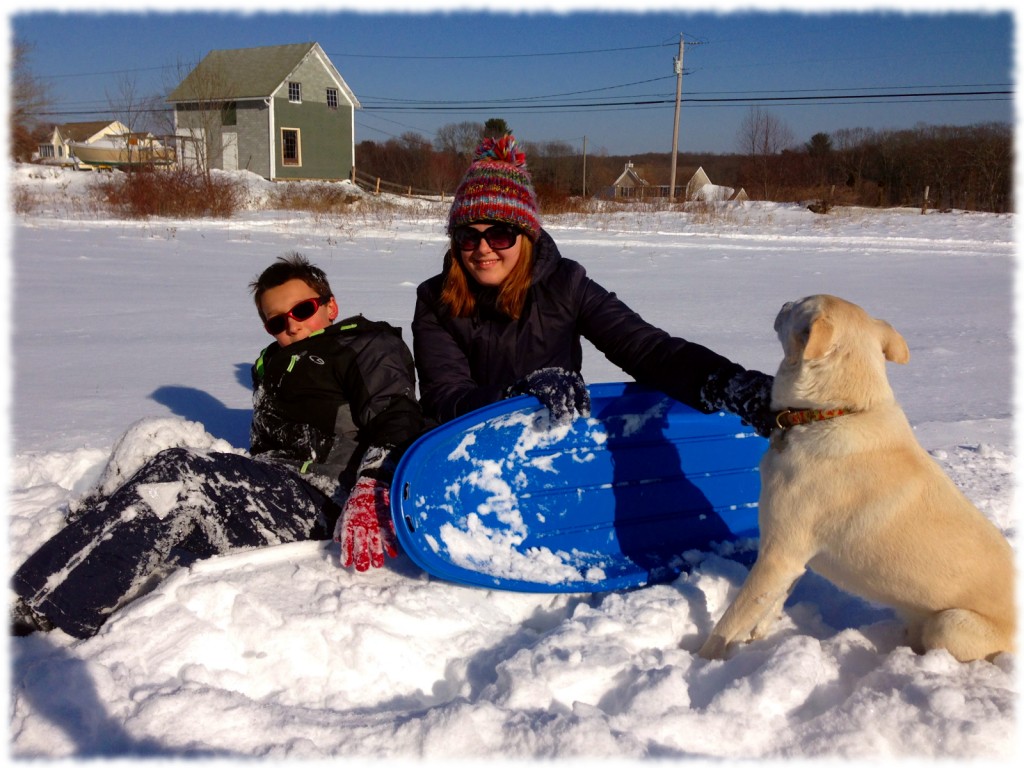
497 187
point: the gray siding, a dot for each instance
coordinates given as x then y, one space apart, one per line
254 137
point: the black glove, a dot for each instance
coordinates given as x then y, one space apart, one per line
562 392
748 394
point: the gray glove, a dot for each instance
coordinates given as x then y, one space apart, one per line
562 392
748 394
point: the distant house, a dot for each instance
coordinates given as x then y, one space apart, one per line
281 111
629 185
58 150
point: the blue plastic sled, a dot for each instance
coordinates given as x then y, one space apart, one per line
501 499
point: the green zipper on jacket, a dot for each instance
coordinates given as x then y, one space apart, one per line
261 365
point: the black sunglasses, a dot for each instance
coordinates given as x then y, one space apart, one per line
498 236
304 310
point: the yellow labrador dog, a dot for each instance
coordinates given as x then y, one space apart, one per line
847 491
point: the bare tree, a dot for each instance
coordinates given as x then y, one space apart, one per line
851 149
992 159
29 97
762 137
200 115
459 140
554 166
819 149
127 108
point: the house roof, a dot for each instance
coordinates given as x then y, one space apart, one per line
251 73
630 176
82 131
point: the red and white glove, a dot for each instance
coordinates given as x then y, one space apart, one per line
365 530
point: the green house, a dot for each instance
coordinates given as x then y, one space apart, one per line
281 111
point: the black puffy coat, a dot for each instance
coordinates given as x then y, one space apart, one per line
319 403
465 363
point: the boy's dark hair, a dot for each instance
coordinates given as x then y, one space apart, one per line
294 266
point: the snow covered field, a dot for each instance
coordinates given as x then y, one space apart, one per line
281 653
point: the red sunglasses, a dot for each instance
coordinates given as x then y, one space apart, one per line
304 310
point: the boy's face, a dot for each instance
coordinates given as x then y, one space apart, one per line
280 300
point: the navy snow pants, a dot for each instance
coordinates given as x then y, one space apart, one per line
178 508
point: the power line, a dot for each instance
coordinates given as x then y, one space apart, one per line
132 71
521 98
649 98
819 93
492 56
489 56
611 106
781 100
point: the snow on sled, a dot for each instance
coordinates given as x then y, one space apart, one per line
500 498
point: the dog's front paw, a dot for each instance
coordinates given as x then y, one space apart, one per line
714 648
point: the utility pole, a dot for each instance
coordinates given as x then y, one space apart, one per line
584 167
678 64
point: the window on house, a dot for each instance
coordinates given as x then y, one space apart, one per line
46 150
229 113
295 92
290 150
332 98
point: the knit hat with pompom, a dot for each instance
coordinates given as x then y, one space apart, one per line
497 187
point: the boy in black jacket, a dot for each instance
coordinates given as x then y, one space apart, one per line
333 407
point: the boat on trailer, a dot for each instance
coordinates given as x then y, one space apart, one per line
121 151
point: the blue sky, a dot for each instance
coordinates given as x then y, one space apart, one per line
569 74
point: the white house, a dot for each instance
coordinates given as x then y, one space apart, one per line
629 184
57 151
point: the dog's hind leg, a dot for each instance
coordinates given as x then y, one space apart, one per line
967 635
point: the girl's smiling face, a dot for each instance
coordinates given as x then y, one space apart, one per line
490 266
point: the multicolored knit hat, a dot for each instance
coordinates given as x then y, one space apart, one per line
497 187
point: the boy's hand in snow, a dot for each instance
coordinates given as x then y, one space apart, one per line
365 530
562 392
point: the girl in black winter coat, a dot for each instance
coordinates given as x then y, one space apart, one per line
333 407
506 314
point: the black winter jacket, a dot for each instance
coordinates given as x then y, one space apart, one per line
465 363
319 403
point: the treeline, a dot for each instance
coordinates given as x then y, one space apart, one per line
966 167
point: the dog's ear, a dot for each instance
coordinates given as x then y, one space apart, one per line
819 338
894 346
